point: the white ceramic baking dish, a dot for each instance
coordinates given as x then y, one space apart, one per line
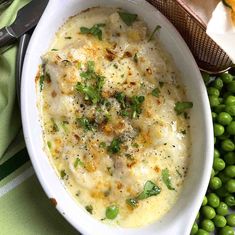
180 218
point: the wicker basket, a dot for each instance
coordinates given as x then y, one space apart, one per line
209 56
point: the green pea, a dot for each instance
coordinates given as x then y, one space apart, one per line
230 171
226 231
230 201
216 153
226 77
218 164
206 78
222 192
214 100
202 232
219 221
224 118
227 145
213 91
111 212
230 100
222 209
230 109
219 108
230 185
218 83
213 200
198 215
214 116
231 128
212 173
225 136
208 212
218 129
231 220
215 183
229 158
208 225
231 87
224 178
204 202
194 229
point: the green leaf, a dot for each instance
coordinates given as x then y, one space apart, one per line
89 208
150 189
157 28
94 30
167 179
41 82
90 92
180 107
78 162
114 147
155 92
135 58
132 202
62 174
111 212
120 97
85 123
128 18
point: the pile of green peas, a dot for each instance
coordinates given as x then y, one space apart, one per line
216 213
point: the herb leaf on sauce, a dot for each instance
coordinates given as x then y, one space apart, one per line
111 212
153 33
167 179
94 30
62 174
136 102
155 92
128 18
89 208
41 82
78 162
180 107
114 147
150 189
85 123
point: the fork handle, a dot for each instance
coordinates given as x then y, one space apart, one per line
6 37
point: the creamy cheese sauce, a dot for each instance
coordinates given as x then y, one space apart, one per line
107 99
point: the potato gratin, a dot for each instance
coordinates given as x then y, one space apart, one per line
115 119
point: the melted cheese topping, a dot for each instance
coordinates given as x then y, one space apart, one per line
80 132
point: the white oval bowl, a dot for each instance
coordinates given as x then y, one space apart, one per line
179 219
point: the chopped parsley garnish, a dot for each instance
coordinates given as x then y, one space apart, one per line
153 33
136 102
150 189
62 174
85 124
131 106
167 179
114 147
41 82
78 162
102 145
180 107
68 37
111 212
128 18
135 58
93 84
54 49
54 125
49 144
94 30
155 92
89 208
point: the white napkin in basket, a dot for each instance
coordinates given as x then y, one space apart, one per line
219 24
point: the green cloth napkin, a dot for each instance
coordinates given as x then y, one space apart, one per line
24 207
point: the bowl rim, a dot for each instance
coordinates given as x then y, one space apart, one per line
29 134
